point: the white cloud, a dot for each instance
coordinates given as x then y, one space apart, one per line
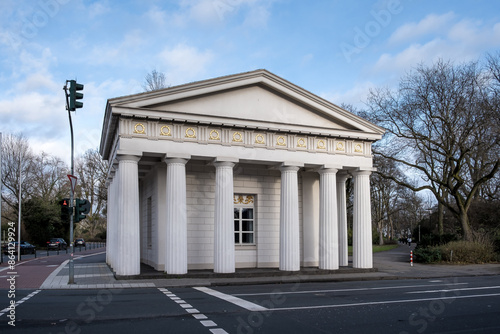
257 17
98 8
116 53
185 63
356 96
212 12
462 41
38 115
207 11
430 24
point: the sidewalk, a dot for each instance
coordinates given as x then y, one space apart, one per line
91 272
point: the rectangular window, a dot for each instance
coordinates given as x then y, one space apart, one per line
244 221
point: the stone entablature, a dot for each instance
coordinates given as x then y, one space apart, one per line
235 136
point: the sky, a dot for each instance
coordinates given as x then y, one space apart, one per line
337 49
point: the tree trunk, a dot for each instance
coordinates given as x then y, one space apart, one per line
464 220
380 236
440 219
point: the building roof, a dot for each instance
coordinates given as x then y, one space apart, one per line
258 100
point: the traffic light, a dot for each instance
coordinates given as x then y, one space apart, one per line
65 209
74 87
82 207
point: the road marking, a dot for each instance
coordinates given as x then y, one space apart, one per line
232 299
218 331
200 316
194 312
381 303
208 323
5 310
343 290
463 289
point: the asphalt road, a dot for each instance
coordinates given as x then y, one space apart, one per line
42 253
453 305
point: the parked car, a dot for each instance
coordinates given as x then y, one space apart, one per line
26 248
57 243
79 242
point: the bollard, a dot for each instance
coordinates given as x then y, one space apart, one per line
411 258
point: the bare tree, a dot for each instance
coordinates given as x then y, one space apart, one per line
16 162
385 194
49 177
92 173
43 183
154 81
439 127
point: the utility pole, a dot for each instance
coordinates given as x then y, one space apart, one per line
71 105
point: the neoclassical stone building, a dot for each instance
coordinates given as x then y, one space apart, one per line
241 171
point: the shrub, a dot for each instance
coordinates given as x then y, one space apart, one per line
468 252
427 254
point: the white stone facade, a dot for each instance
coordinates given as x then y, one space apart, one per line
243 171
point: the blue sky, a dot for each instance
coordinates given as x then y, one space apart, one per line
335 49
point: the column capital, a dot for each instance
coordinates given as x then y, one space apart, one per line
219 164
360 171
123 154
128 157
175 161
226 159
342 176
328 171
284 168
292 164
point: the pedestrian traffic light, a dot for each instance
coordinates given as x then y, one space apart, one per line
65 209
82 207
74 87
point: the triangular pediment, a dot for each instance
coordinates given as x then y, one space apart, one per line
253 103
257 99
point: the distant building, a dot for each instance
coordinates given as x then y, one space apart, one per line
241 171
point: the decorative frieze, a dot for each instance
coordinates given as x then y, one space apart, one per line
179 132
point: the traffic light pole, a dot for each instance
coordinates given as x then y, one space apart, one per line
71 195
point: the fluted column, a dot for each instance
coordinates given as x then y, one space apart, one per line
128 208
176 219
224 261
362 256
289 220
342 218
108 222
115 237
113 219
328 227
